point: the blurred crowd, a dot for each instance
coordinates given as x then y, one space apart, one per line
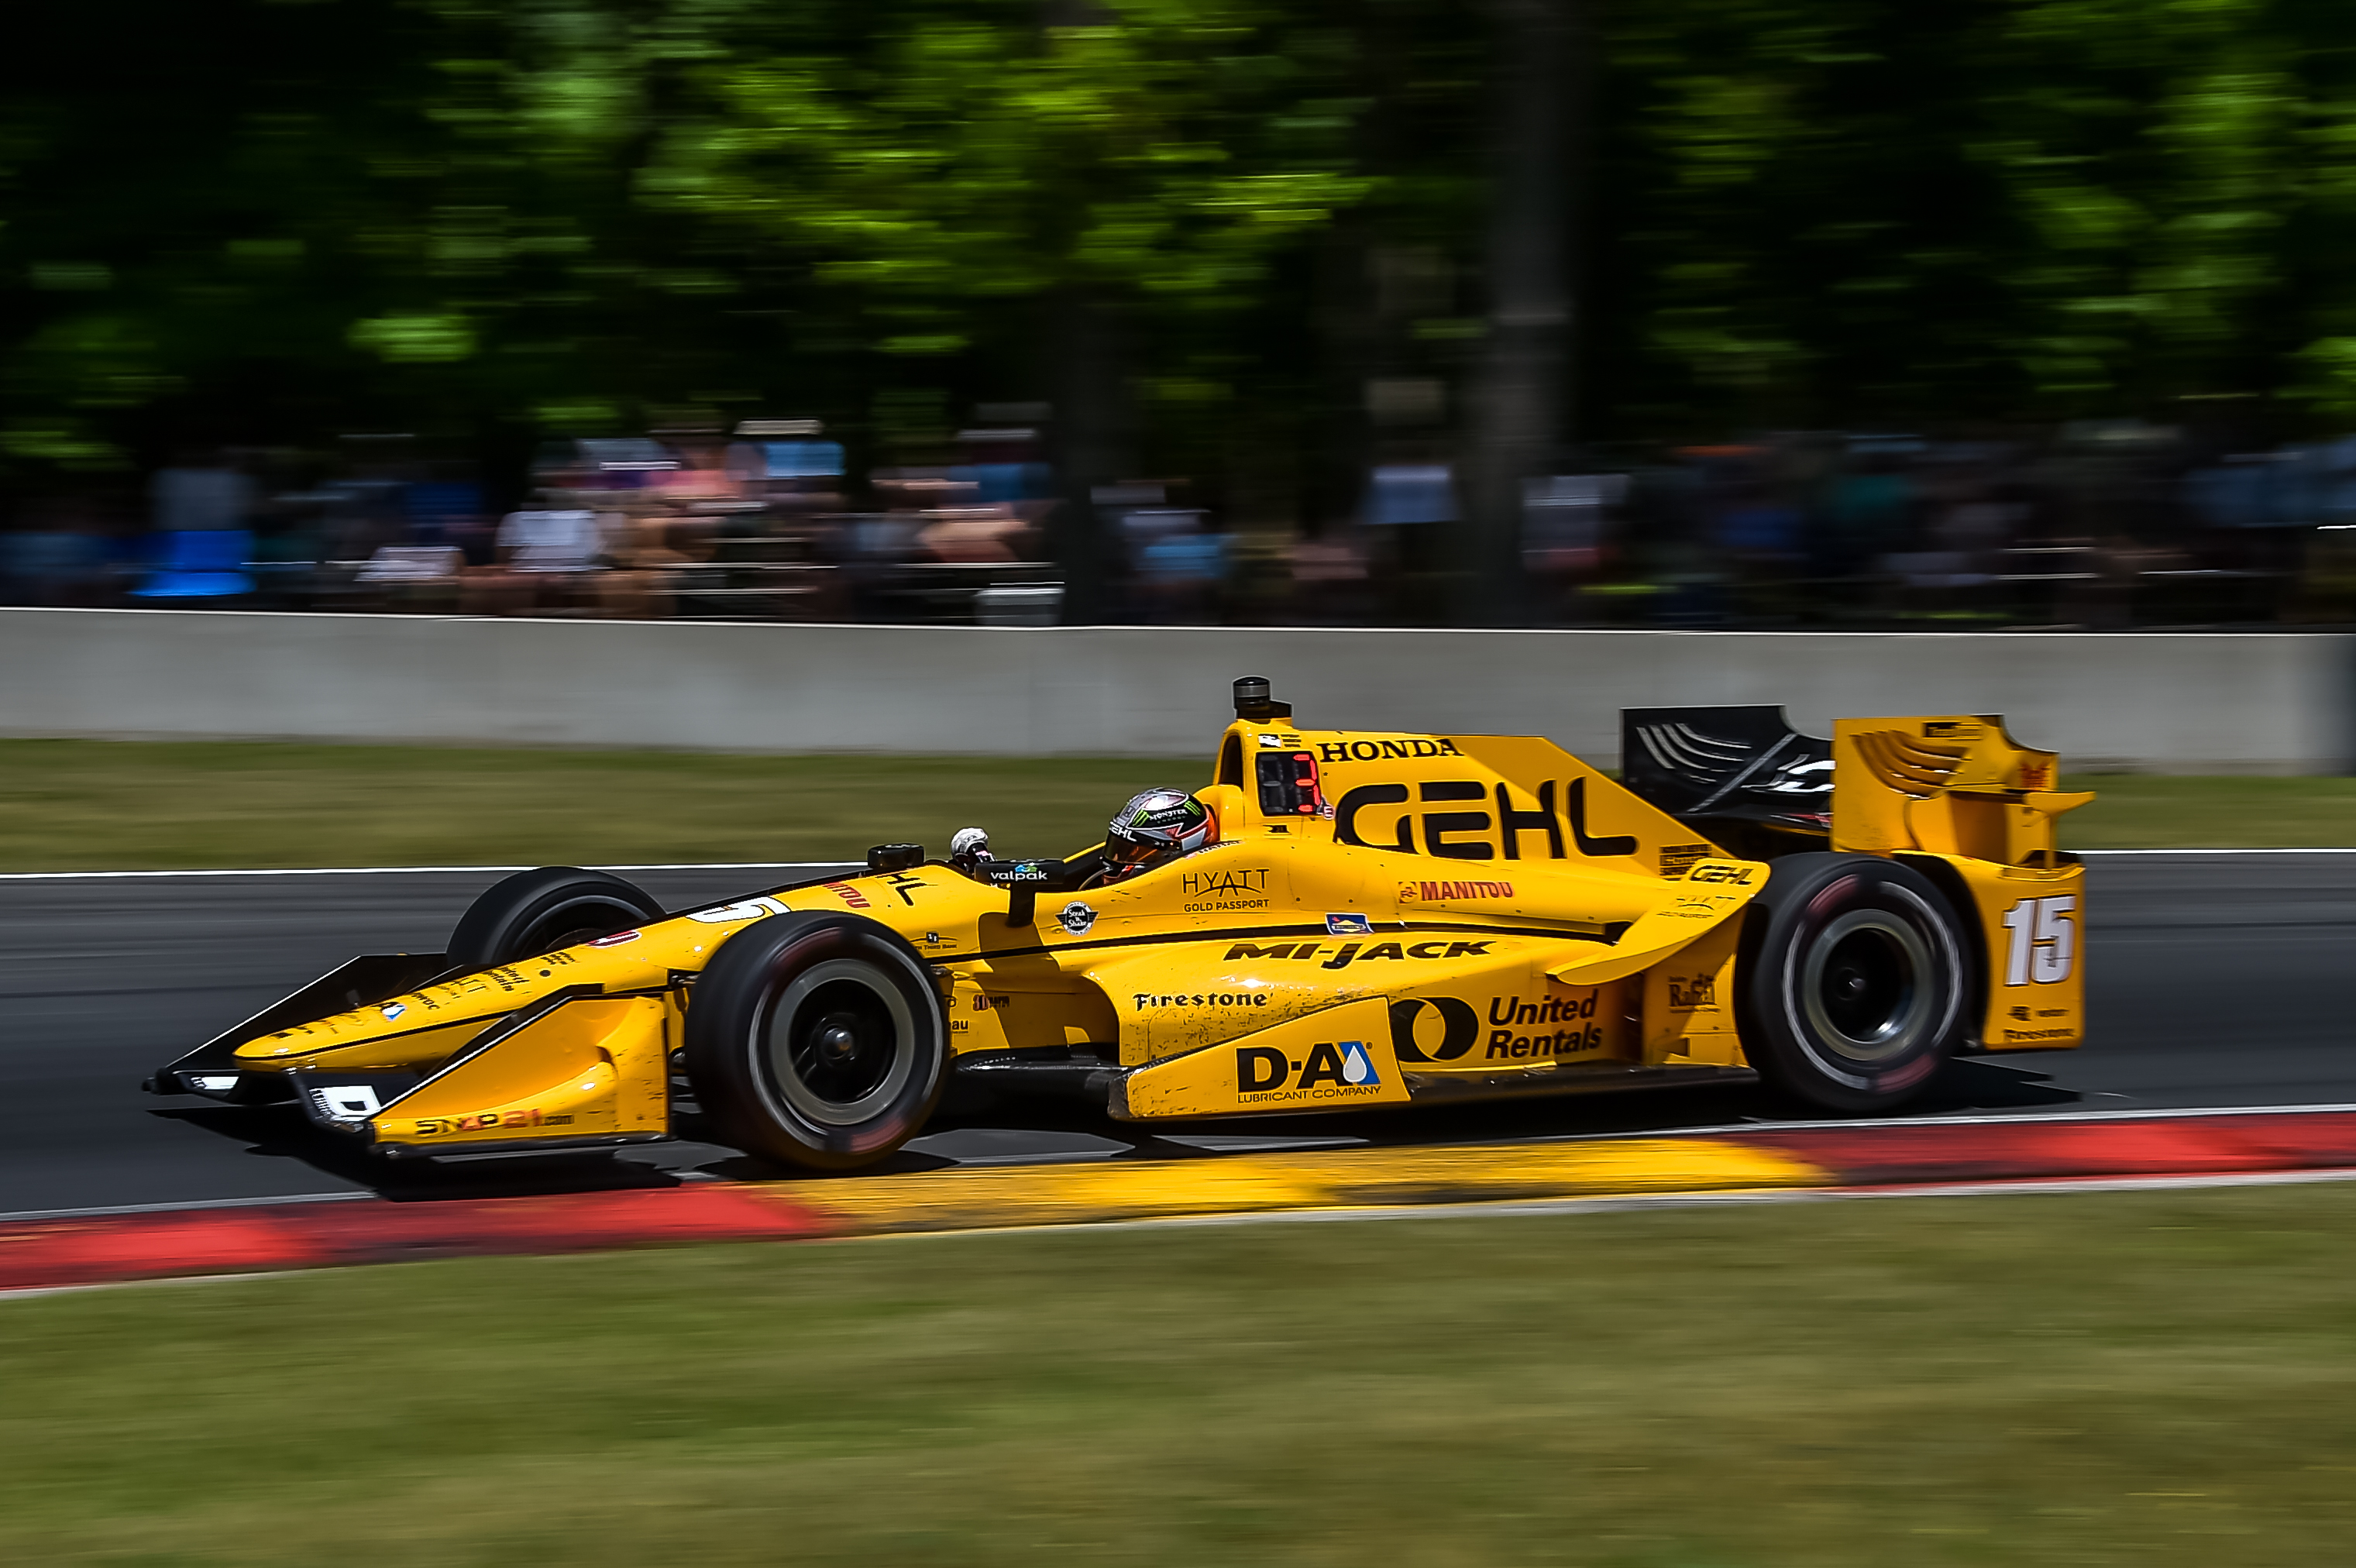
2096 526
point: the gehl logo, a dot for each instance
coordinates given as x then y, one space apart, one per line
1476 835
1340 1070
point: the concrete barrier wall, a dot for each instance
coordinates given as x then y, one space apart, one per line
2190 703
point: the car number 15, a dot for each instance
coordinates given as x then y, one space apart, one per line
2044 941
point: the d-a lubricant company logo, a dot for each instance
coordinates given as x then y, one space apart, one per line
1340 1070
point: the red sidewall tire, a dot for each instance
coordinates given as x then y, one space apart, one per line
817 1039
1856 981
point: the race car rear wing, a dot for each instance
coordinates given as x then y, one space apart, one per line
1742 775
1955 783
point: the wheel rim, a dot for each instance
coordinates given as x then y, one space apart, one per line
841 1043
1864 987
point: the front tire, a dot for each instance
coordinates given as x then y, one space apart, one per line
1856 981
817 1039
539 911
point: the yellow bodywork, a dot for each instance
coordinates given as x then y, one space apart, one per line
1959 794
1430 916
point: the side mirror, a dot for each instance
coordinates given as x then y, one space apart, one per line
896 856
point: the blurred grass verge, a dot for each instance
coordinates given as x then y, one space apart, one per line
2148 1378
67 805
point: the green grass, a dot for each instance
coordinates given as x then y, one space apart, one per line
2145 812
94 804
2146 1378
97 806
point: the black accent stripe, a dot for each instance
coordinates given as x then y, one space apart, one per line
1610 933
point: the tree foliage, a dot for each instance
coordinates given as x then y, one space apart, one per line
497 221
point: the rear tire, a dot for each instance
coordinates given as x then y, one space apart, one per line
817 1039
539 911
1854 981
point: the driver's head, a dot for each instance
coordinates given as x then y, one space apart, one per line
1156 826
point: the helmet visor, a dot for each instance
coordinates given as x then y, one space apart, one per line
1122 851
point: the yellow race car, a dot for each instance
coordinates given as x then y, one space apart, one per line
1374 919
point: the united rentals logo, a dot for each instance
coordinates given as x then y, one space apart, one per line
1688 996
1511 1013
1443 892
1341 1069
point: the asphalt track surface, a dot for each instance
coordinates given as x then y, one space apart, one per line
2215 979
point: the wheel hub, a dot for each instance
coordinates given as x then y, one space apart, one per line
838 1039
841 1043
1865 988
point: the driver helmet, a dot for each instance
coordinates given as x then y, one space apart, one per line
1156 826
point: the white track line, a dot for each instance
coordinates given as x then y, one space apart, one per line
719 866
193 1206
2310 852
2039 1118
24 1292
2009 1184
415 870
1510 1210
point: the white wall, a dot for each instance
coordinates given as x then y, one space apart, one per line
2256 702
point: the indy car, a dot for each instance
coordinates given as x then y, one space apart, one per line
1379 920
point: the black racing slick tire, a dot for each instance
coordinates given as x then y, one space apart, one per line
1856 981
539 911
818 1041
